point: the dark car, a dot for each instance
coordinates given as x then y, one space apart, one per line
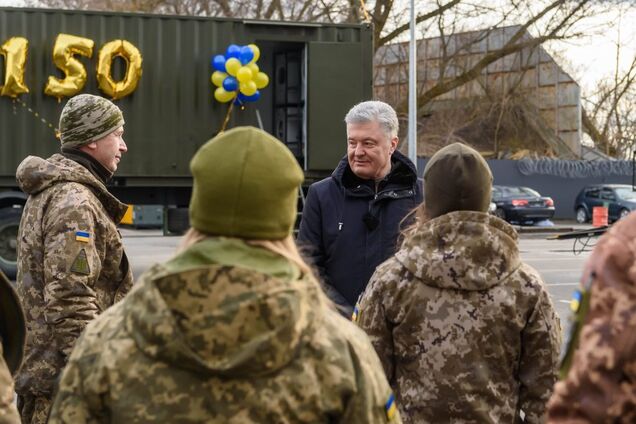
620 200
521 204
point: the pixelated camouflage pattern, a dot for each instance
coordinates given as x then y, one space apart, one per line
223 333
465 331
601 384
64 197
87 118
8 411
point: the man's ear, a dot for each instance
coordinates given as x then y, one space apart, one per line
394 143
88 147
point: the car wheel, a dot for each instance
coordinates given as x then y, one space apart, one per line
9 223
623 213
500 213
581 216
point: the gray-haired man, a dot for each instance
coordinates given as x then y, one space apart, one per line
351 220
71 260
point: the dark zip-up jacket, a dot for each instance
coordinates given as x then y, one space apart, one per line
349 227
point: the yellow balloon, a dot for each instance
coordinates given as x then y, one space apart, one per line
248 88
257 52
14 51
132 56
223 96
66 46
261 80
254 68
218 77
232 65
244 74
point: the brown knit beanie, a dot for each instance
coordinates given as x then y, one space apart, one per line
86 118
456 178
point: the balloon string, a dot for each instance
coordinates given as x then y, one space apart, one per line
227 117
364 10
37 115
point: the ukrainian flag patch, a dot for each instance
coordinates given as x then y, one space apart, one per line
575 303
82 236
356 313
390 407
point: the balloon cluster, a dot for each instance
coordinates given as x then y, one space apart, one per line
237 76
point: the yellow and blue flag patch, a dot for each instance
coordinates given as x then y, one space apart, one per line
390 407
575 303
82 236
356 313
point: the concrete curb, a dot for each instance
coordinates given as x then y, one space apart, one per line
543 230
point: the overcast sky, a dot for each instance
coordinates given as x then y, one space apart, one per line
589 59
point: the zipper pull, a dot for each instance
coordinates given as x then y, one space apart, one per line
339 226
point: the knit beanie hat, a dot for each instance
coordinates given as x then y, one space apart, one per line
245 185
456 178
86 118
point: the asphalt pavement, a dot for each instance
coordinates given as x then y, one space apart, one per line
560 262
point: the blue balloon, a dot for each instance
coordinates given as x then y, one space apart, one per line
246 55
230 83
232 51
254 97
218 62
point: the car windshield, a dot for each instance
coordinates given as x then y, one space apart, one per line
517 191
626 193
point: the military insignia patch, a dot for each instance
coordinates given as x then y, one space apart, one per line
390 407
80 264
356 313
82 236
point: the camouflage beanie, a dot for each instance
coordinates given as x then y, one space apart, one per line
456 178
245 185
87 118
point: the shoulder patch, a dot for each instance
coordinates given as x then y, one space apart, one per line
356 313
80 264
390 407
82 236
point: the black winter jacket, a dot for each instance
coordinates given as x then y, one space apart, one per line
348 229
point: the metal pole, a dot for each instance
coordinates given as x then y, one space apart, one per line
412 132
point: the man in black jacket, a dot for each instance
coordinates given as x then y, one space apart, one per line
351 220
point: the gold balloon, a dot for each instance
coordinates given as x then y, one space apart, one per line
130 53
218 77
244 74
261 80
254 68
232 65
248 88
65 47
223 96
257 52
14 51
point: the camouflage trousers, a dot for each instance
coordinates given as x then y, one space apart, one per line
34 409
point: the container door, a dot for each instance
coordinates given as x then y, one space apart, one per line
336 80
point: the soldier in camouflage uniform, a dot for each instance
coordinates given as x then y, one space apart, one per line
71 261
12 334
235 328
601 384
465 331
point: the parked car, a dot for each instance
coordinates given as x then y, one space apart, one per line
620 200
521 204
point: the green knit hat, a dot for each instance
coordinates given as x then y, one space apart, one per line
86 118
456 178
245 185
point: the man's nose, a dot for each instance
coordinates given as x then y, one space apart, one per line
122 146
359 150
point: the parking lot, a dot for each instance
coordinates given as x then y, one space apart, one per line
560 267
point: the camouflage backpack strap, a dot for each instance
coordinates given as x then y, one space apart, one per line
579 308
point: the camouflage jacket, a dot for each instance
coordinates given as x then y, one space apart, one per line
8 411
466 331
71 262
601 384
223 333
